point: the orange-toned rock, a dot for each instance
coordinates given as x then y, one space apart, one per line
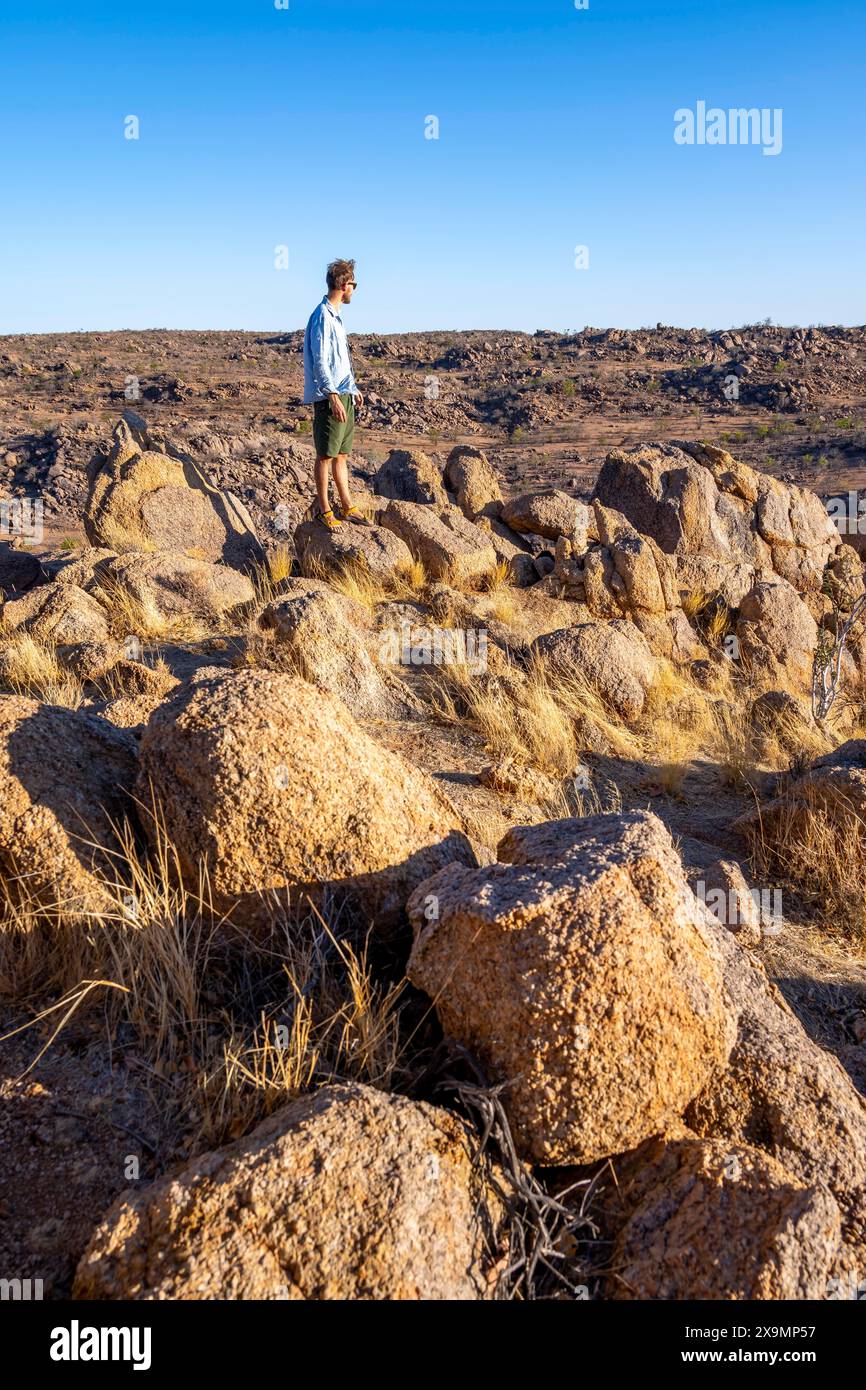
580 974
346 1194
270 785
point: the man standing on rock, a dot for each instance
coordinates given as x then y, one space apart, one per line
329 386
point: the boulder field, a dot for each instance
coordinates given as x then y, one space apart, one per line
170 684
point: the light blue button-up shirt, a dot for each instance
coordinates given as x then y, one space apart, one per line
327 364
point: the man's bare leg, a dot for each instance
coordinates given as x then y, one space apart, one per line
341 479
340 469
323 475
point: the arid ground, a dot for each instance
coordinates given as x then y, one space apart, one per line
467 905
548 405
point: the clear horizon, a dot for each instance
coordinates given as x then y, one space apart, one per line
399 332
271 136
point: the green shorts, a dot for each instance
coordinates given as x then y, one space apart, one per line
331 436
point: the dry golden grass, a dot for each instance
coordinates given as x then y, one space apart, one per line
497 579
732 745
337 1023
517 718
409 581
694 603
709 613
30 667
116 538
485 581
717 625
139 614
578 698
279 564
821 854
229 1027
669 687
524 715
504 606
269 576
42 950
794 742
354 580
682 721
675 752
677 726
575 799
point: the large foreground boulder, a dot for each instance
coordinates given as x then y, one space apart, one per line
345 1194
147 495
271 786
64 783
580 974
785 1094
715 1220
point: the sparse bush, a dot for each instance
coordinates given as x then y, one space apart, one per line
848 611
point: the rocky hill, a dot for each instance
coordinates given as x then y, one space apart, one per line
468 903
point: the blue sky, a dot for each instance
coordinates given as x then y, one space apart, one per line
304 127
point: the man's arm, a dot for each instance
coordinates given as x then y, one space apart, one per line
358 398
320 340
